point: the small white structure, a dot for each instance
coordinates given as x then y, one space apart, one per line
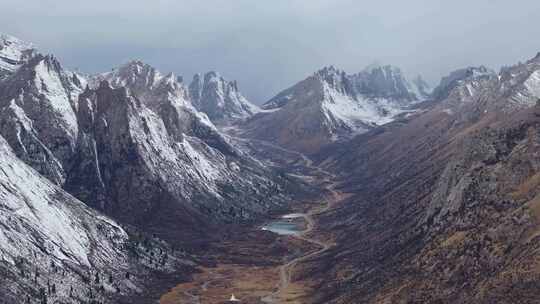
233 299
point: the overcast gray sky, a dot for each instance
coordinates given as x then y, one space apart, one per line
269 45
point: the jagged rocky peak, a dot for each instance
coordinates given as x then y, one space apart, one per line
165 165
520 84
424 88
167 98
331 105
459 76
471 94
331 73
13 53
468 178
220 99
196 87
375 81
37 114
389 81
384 80
134 73
141 145
330 76
146 82
335 78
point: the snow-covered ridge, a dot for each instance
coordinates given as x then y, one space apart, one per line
370 98
38 114
13 53
144 81
154 89
473 92
58 222
43 227
136 113
210 94
332 105
373 82
72 130
128 143
458 77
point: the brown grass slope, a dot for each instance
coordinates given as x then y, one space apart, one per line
446 206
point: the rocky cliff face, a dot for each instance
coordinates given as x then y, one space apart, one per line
443 204
54 248
458 77
46 231
13 53
130 144
220 99
146 156
38 115
332 105
423 89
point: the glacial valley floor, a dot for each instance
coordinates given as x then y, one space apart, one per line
259 266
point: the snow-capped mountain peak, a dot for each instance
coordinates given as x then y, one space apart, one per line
128 143
472 92
388 81
147 83
41 94
457 77
220 99
133 74
331 104
13 53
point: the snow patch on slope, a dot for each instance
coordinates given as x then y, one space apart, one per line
13 53
48 82
39 215
376 111
532 84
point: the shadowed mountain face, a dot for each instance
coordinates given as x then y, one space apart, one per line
331 105
143 158
444 203
56 248
42 226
